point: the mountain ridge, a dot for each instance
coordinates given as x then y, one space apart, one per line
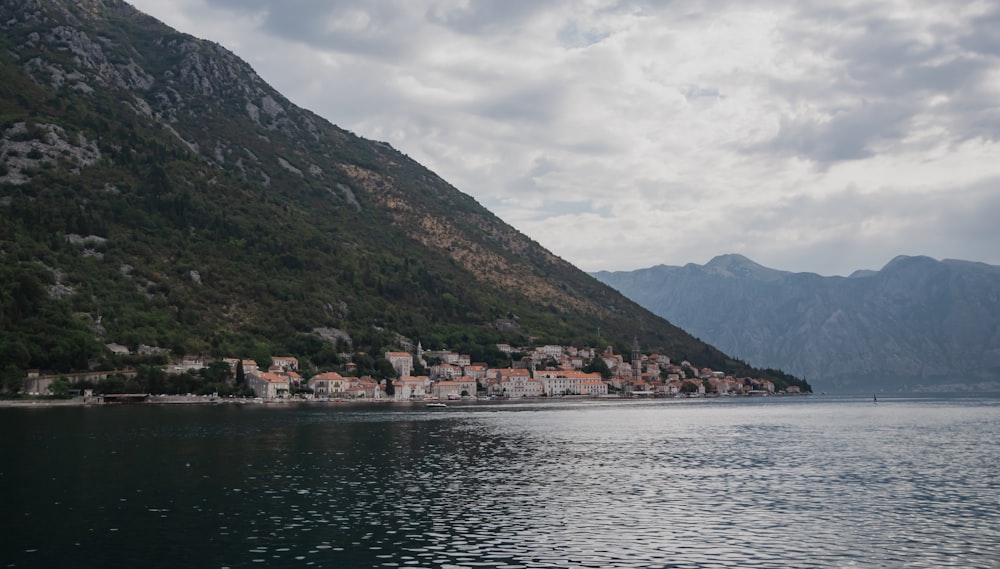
158 192
917 323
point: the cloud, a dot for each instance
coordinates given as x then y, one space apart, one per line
885 74
622 134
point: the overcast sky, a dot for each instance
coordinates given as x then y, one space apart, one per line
809 136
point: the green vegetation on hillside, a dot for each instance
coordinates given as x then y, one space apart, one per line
165 196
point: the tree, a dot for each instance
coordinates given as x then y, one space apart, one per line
11 380
59 388
217 372
151 379
390 389
17 354
383 368
419 369
598 365
240 374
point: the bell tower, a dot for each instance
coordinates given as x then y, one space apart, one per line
636 360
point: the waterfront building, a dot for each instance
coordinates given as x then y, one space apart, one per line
567 382
328 384
408 387
268 385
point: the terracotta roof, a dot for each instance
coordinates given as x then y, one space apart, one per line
273 378
327 376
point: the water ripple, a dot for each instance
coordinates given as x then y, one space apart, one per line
726 484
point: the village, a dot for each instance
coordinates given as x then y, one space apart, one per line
431 376
545 371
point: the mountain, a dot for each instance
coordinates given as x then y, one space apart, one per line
917 323
155 192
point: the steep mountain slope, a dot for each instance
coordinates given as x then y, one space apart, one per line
917 322
155 191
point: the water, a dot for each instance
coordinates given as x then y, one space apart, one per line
776 482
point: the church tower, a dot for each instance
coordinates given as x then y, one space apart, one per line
636 360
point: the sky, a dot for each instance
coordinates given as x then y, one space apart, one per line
809 136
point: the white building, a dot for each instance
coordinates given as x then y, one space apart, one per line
454 389
514 384
408 388
402 362
285 363
565 382
445 371
551 351
329 384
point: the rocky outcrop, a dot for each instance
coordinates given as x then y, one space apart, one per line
918 323
65 45
29 148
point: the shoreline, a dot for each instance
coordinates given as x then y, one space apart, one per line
82 401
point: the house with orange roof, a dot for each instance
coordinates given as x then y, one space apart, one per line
445 389
445 371
355 391
268 385
564 382
372 389
328 384
409 387
726 386
515 383
475 371
614 362
293 377
249 366
402 362
457 388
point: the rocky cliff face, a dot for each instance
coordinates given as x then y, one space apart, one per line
188 86
916 324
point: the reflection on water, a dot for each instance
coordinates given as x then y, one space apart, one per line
806 482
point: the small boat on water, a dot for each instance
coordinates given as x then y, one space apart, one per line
436 405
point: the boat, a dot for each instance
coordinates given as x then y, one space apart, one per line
436 405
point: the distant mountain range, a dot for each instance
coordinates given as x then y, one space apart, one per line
155 191
916 324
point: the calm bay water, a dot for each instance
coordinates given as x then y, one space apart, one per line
775 482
